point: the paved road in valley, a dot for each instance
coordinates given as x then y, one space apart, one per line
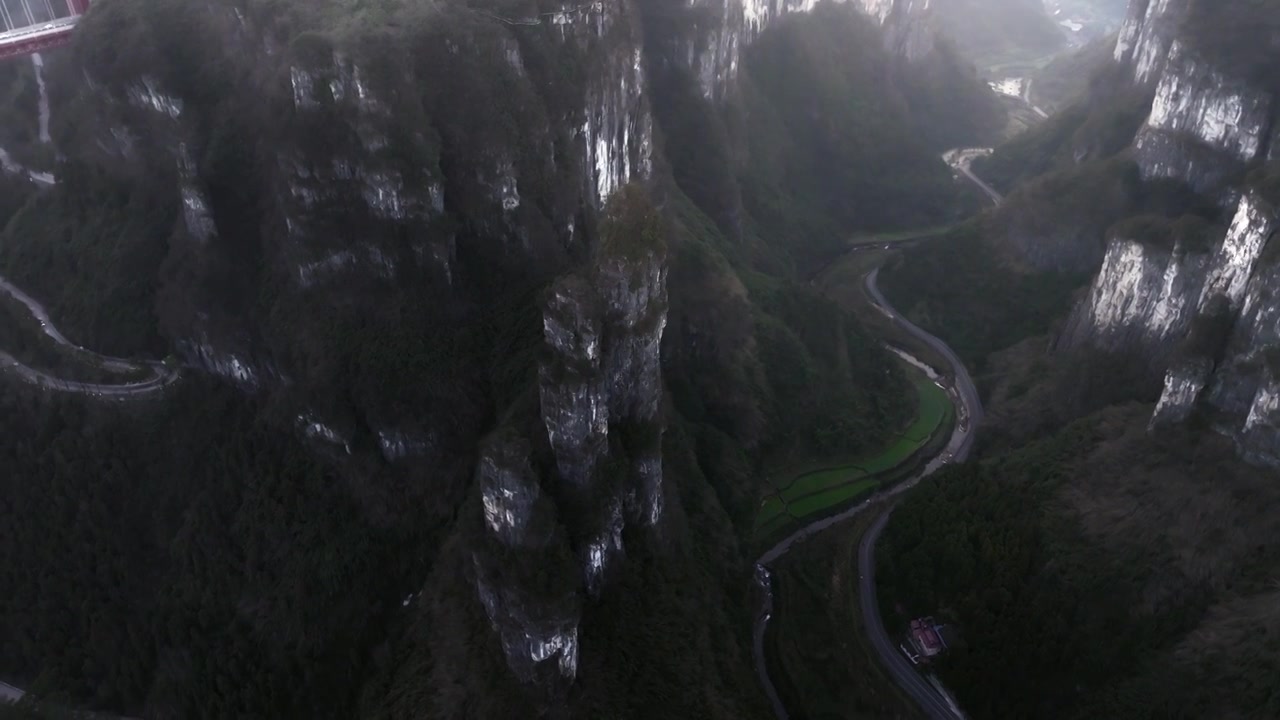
969 409
969 413
162 379
10 165
968 405
9 693
1026 98
961 158
162 376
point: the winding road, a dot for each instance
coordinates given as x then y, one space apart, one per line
930 700
960 160
9 693
969 411
162 375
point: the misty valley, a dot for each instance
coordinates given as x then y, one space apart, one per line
742 359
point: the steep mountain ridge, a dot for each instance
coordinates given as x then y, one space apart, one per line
1188 286
1124 566
463 254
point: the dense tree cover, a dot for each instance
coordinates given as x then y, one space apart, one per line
1100 124
955 288
209 561
833 137
186 556
1238 37
90 252
1067 77
19 113
1080 585
820 660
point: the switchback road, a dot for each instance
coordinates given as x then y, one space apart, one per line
162 376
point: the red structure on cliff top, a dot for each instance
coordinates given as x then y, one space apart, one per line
30 26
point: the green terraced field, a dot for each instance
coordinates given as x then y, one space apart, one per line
815 492
834 496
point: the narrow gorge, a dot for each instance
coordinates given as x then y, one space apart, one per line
491 314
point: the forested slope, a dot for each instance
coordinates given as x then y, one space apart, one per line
405 269
1097 574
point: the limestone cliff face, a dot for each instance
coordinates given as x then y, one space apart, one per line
1142 298
601 392
1148 33
600 395
323 182
359 211
1208 320
531 602
1207 124
1202 314
1204 127
724 28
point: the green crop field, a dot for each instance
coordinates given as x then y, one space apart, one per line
834 496
815 492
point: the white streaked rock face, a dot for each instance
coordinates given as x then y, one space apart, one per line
1145 298
1131 279
604 550
716 55
1194 98
314 429
1142 299
400 444
1265 410
1259 440
1233 264
1182 388
508 490
617 132
532 633
1147 35
227 365
147 94
340 82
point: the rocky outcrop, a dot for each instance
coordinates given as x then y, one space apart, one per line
528 593
724 28
1143 298
1204 128
1208 319
1192 97
1148 33
600 397
601 387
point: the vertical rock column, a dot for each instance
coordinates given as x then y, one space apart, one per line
523 574
1222 301
600 385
